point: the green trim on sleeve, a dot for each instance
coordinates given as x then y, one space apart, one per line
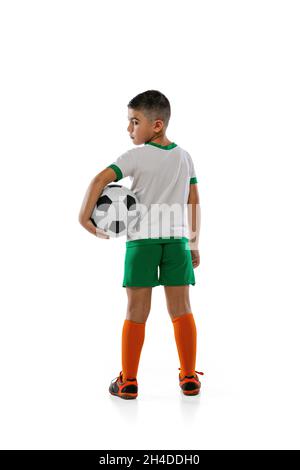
117 171
193 180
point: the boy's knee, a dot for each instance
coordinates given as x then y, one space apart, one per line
138 315
179 310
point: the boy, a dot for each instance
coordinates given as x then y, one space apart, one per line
163 175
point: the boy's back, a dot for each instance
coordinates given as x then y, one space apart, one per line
161 178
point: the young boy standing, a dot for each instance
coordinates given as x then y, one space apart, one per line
164 178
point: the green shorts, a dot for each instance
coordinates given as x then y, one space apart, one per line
142 261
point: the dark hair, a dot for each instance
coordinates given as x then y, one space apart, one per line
153 104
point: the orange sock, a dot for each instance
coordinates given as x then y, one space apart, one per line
186 340
133 335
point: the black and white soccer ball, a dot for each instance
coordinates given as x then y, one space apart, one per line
116 211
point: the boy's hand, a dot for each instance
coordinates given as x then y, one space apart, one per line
101 233
90 227
195 258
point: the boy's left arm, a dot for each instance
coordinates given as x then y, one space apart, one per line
93 192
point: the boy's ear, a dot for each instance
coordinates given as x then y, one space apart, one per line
158 125
106 176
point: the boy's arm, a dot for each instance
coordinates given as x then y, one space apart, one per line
194 217
93 192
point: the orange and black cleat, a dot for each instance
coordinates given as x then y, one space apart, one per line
190 384
127 389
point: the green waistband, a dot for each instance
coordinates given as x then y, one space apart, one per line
150 241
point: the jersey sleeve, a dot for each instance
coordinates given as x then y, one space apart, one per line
193 176
124 165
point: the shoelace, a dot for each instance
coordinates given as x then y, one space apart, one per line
200 373
120 376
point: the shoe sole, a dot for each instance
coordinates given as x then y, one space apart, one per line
191 392
127 396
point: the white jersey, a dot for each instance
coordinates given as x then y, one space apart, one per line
161 178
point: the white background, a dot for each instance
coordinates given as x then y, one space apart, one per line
231 72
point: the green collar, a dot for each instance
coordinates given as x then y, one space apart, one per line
165 147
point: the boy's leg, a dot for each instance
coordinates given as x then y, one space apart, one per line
178 300
133 333
139 303
179 308
140 275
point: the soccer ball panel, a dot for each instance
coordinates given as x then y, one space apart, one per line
114 209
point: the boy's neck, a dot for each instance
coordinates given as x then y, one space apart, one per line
161 141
